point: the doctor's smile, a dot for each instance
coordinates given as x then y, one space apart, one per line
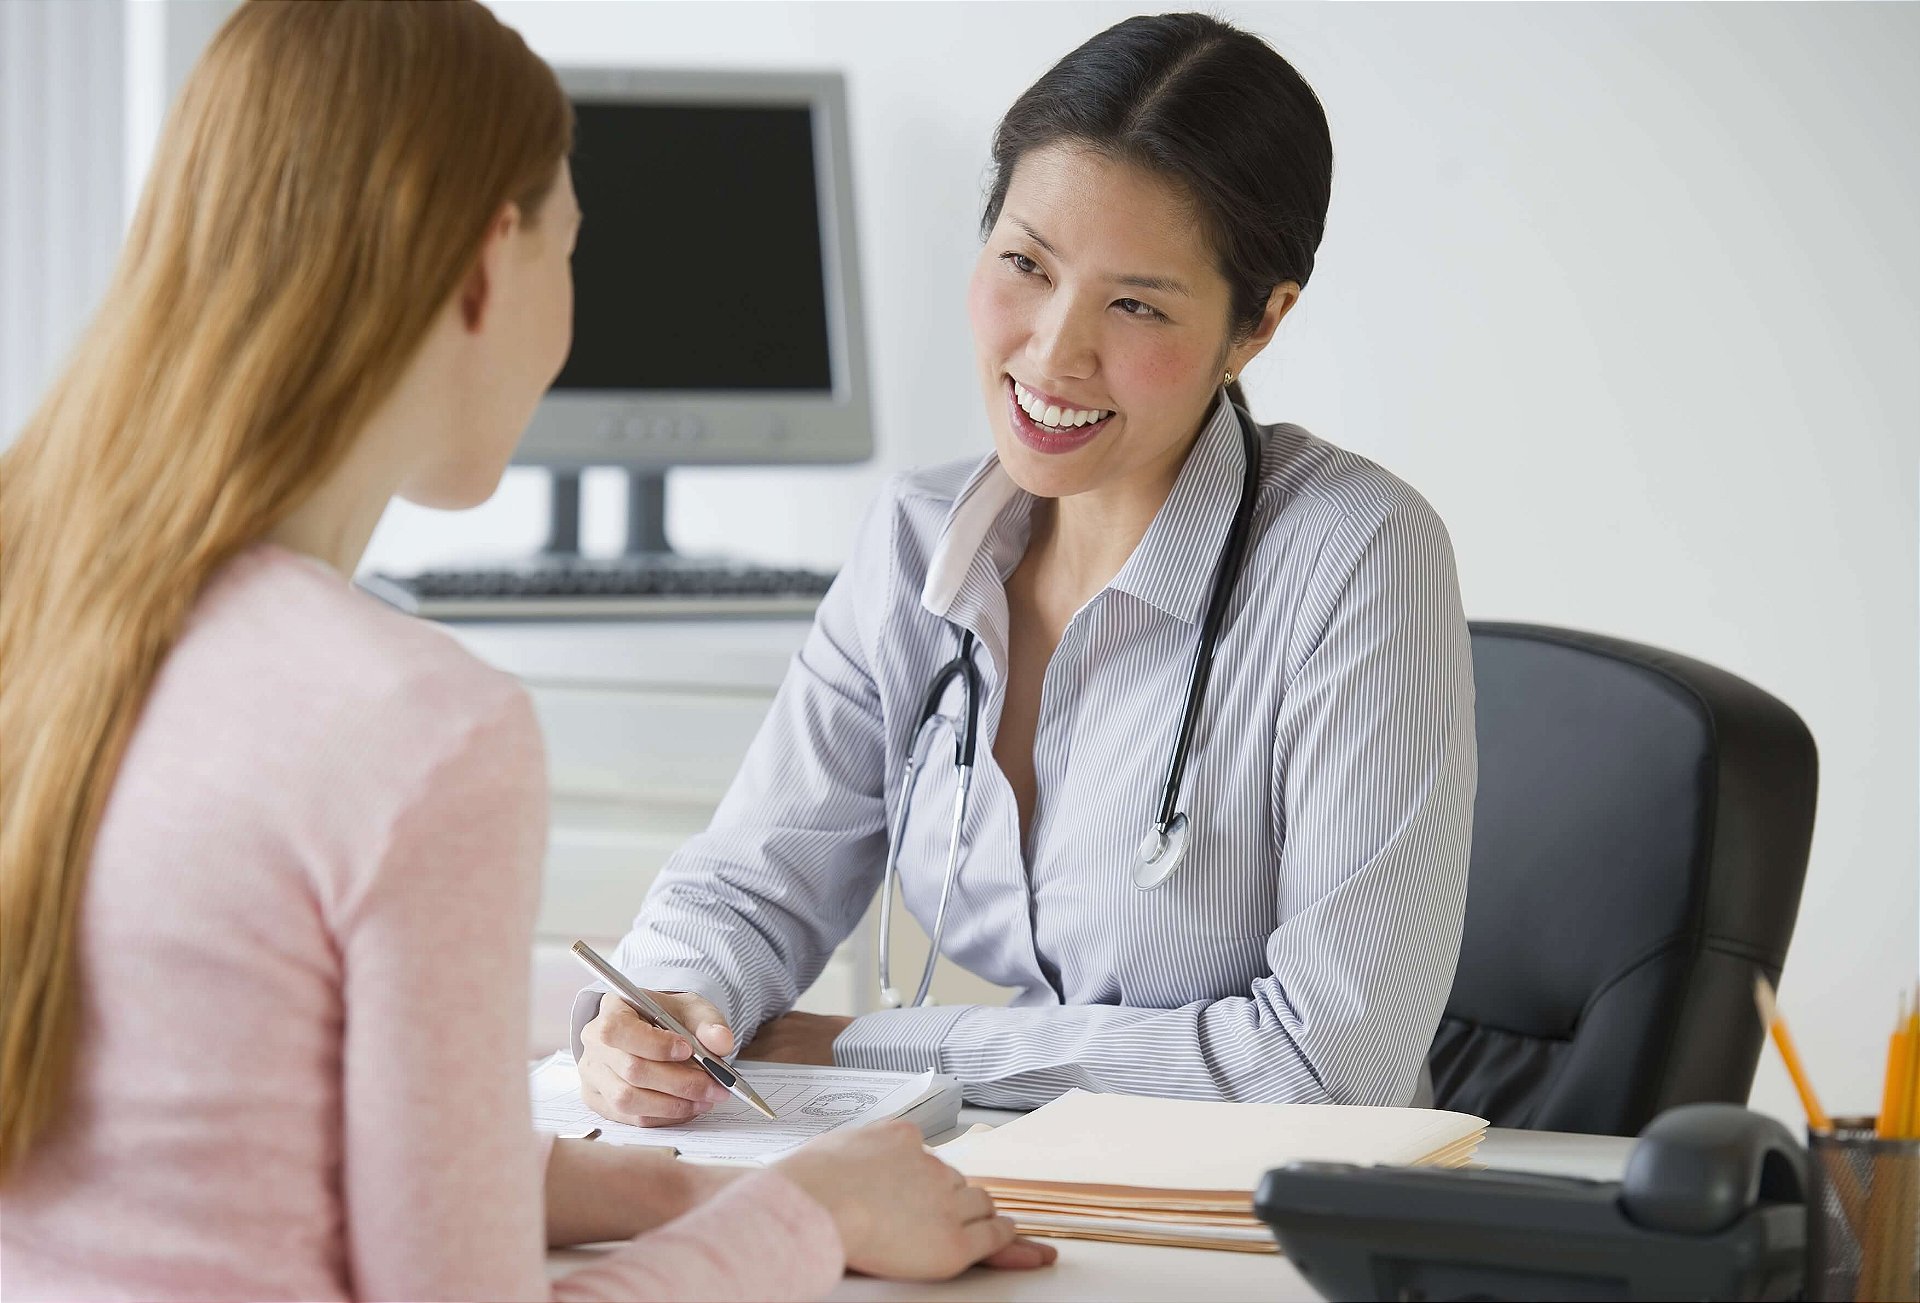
1046 423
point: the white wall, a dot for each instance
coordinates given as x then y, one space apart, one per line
1627 291
84 87
61 69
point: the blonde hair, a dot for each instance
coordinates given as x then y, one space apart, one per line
321 190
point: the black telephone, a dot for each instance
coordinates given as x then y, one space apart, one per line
1711 1206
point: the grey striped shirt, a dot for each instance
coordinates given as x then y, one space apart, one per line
1305 948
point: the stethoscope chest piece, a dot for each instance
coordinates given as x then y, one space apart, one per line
1160 854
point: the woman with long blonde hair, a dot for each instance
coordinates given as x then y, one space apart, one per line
270 852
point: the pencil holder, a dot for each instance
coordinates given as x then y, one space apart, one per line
1863 1214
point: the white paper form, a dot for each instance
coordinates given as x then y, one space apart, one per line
810 1101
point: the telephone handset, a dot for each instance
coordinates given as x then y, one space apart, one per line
1697 1169
1711 1206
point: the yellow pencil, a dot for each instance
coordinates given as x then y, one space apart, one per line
1910 1106
1770 1016
1892 1122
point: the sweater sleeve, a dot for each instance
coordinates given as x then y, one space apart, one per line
441 1171
761 1238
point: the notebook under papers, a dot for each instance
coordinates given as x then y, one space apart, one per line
809 1100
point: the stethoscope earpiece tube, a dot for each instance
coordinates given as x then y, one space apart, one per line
946 885
970 677
965 734
1168 844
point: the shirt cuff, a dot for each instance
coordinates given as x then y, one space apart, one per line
587 1003
898 1040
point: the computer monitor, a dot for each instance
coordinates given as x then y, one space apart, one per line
717 309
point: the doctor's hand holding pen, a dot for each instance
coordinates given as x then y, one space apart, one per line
634 1072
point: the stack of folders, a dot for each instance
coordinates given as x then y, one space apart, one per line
1182 1172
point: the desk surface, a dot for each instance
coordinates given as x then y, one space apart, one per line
1091 1270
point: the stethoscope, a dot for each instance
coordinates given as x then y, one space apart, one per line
1164 846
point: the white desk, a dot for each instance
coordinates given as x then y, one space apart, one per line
1090 1270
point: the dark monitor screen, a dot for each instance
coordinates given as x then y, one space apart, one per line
699 259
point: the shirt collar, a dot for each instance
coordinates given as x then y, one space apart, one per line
984 537
975 516
1172 567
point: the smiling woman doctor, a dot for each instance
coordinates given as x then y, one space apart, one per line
1157 199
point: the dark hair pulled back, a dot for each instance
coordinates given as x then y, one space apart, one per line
1207 106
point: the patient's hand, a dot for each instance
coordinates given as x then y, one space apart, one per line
797 1038
901 1212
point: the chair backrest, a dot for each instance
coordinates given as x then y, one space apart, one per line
1639 842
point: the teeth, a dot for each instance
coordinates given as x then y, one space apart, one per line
1060 418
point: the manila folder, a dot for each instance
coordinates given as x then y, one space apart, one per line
1134 1150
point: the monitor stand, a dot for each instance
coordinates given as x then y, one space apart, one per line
646 514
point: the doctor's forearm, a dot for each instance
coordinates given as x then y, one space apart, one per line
1231 1049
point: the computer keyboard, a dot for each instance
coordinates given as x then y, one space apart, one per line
619 588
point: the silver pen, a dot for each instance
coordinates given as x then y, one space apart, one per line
649 1008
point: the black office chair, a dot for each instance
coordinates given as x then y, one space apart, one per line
1639 842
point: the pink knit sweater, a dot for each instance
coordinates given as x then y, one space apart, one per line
304 971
